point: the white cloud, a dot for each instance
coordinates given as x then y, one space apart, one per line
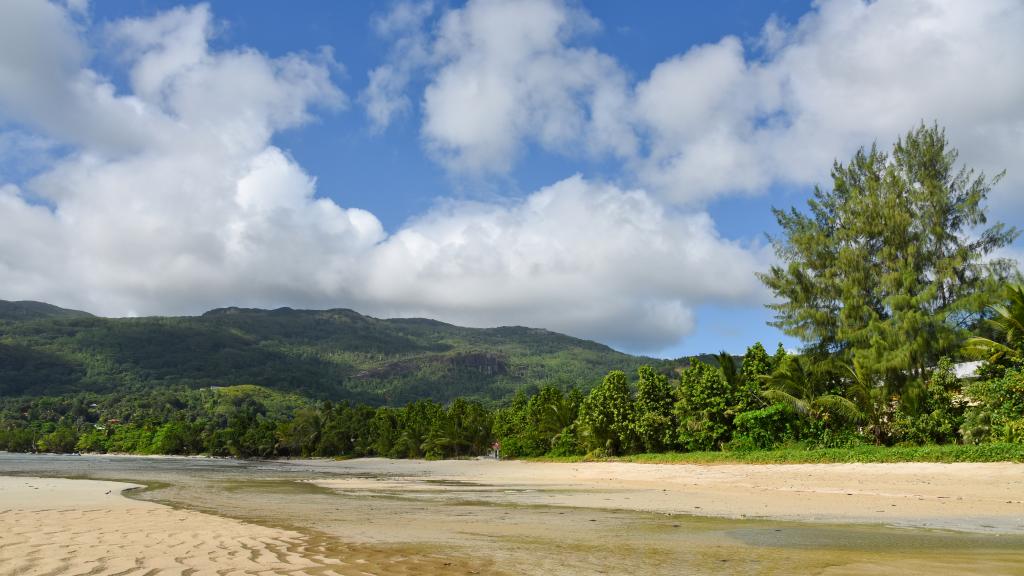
504 75
174 200
725 118
578 256
78 6
847 74
384 97
189 204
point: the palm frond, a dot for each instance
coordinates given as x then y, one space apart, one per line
775 395
839 406
985 349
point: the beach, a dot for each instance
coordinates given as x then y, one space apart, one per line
977 497
60 526
373 516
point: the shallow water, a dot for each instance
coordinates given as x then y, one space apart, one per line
493 528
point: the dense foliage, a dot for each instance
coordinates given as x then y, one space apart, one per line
893 265
331 354
701 410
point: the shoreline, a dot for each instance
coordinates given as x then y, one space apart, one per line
865 454
974 497
964 497
389 517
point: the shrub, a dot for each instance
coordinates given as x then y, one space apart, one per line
937 412
705 421
1000 408
766 428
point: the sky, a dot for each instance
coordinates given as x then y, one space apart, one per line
602 169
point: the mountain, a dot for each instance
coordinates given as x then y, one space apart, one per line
29 310
334 354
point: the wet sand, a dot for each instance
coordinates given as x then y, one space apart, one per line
982 497
465 517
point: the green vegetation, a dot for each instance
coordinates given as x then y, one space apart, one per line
881 281
882 270
332 355
28 310
799 455
1007 324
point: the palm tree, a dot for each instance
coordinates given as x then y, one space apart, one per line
1008 323
869 395
558 416
793 384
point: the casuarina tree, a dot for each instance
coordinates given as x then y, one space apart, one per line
894 263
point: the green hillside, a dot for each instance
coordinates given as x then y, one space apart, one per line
335 354
29 310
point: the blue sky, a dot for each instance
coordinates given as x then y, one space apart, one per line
604 169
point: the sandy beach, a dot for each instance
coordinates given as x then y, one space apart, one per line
387 517
978 497
59 526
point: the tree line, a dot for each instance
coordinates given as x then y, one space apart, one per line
762 402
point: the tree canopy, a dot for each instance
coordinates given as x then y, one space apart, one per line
893 264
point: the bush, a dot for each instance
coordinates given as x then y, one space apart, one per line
766 428
566 444
938 410
1013 431
705 420
18 440
94 440
821 435
61 441
1000 408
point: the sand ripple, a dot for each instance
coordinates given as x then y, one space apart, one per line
86 527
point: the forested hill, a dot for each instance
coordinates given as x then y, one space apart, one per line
335 354
29 310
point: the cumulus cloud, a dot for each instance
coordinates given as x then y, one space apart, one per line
385 96
847 74
728 117
172 199
504 75
578 256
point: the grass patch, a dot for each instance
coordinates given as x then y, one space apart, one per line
860 454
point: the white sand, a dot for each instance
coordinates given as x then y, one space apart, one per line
59 526
983 497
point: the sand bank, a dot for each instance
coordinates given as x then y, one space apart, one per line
59 526
983 497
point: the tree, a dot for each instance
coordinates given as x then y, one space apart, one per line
1008 324
416 421
870 396
607 413
301 436
779 357
939 410
514 429
463 429
891 265
756 364
807 393
704 407
654 422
